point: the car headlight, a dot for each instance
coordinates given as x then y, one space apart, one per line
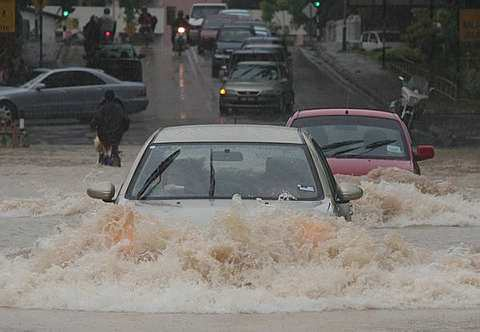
225 92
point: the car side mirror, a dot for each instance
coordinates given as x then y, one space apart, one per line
103 190
40 86
424 152
350 192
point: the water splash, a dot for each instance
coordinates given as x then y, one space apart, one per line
123 261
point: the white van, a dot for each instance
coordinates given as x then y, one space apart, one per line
198 13
373 40
201 10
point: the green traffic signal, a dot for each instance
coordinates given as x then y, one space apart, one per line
316 4
66 13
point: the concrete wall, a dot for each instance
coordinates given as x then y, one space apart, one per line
334 30
31 49
83 14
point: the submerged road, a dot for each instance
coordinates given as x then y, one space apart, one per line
182 92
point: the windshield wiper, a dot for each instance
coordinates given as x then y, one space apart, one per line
211 190
340 144
157 174
368 147
377 144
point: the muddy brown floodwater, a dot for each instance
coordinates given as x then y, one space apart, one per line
414 245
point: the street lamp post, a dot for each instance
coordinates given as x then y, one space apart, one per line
344 29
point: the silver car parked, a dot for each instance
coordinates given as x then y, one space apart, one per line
192 173
69 93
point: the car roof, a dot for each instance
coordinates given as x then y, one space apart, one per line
78 68
262 38
229 133
254 51
231 25
311 113
250 46
209 5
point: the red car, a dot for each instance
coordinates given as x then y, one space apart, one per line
357 141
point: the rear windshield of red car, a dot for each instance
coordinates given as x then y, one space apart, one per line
346 136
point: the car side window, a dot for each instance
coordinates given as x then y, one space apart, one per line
365 37
373 38
82 78
58 80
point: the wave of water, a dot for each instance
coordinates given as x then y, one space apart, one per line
122 261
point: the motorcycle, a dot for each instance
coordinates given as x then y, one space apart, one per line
180 40
414 93
107 37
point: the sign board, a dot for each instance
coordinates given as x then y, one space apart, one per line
7 16
469 25
39 4
407 3
310 11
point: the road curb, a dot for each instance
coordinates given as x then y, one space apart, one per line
324 61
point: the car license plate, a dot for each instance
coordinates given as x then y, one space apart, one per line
252 99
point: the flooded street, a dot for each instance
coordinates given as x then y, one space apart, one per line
414 243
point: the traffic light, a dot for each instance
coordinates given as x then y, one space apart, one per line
66 7
316 4
66 11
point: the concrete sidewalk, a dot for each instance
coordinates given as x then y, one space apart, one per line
365 74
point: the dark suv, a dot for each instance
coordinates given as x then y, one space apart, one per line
229 38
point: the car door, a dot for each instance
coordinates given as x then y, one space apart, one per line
48 96
86 93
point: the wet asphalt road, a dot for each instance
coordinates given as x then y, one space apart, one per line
181 91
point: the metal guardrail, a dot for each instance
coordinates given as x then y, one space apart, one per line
441 84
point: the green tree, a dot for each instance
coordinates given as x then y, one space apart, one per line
268 7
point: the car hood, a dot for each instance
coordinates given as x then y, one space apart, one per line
358 167
202 212
250 86
228 46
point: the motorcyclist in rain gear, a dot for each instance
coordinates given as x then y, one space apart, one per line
111 122
107 27
180 21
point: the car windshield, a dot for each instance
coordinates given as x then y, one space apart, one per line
345 136
234 35
34 81
204 11
221 170
213 23
254 73
390 36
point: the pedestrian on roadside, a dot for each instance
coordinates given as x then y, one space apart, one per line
111 122
91 32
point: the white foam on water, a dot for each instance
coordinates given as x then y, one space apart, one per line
123 261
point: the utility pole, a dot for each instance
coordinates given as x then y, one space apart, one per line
40 23
384 32
344 29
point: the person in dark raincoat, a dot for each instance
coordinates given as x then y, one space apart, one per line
111 122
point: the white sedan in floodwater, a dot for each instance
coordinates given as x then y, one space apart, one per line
198 171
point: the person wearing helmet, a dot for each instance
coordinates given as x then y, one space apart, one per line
180 21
